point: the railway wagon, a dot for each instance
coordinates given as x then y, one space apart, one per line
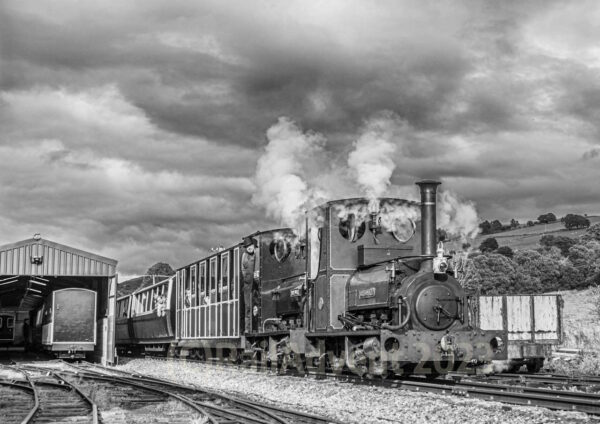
533 324
146 319
65 325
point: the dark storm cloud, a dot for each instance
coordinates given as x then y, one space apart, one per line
134 128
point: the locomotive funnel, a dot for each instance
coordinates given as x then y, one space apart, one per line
428 214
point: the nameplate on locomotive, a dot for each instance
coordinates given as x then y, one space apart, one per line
367 293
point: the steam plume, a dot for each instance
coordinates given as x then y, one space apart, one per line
284 171
372 161
456 216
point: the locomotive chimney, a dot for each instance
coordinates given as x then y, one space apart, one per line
428 224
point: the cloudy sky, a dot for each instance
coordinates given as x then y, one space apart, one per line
135 129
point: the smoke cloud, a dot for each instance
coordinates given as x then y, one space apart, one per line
456 216
372 160
285 173
295 174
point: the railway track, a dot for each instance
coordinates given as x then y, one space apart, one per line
216 408
507 388
590 384
49 399
16 402
221 406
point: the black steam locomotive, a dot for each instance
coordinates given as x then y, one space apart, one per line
365 289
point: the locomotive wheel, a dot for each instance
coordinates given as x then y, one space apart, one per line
514 368
536 365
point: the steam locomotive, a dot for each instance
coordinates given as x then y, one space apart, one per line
366 289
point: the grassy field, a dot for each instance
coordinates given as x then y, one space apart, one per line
525 237
581 329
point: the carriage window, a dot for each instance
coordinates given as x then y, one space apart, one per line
236 274
194 284
152 298
179 289
123 306
213 280
187 291
10 322
224 285
202 278
0 322
351 229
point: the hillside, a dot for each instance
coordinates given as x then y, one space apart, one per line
524 237
581 318
581 330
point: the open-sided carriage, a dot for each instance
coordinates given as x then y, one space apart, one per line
145 319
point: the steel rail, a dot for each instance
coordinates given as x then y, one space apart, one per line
519 395
184 399
36 398
19 386
83 395
551 378
134 381
264 408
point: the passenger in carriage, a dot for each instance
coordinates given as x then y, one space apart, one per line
161 304
248 262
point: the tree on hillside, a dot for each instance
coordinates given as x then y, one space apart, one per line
465 246
506 251
496 226
530 223
572 221
547 218
160 268
514 223
585 257
539 273
561 242
488 245
490 274
592 233
486 227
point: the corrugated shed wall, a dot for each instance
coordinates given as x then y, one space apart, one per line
55 260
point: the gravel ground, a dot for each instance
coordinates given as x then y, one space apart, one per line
346 402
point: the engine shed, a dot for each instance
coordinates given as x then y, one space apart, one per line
33 273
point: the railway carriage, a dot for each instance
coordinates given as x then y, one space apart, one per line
7 329
146 319
210 306
208 299
65 323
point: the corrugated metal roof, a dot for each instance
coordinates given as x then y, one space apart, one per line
44 257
